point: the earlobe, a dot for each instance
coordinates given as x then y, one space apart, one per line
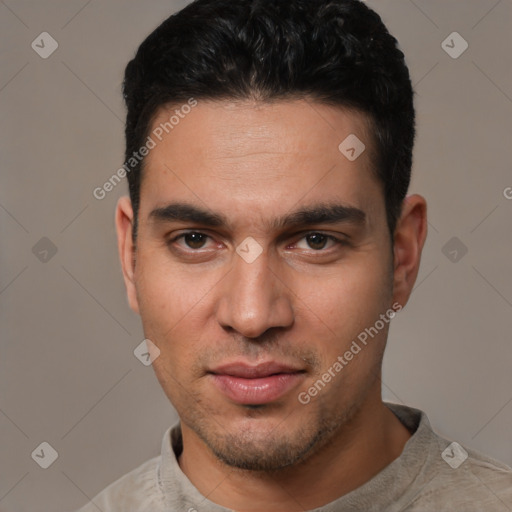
124 226
409 239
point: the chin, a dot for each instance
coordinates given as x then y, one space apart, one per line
260 444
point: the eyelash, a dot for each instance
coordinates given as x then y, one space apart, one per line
337 241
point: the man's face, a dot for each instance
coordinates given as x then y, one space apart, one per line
225 321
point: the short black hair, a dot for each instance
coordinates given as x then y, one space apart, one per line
337 52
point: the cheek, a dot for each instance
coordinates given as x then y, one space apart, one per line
174 304
349 298
166 310
336 317
166 291
162 295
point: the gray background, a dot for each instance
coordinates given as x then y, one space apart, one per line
68 375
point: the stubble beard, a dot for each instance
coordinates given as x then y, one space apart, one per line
275 450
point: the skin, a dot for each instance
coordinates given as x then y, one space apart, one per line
301 302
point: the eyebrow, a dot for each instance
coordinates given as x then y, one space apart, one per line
316 214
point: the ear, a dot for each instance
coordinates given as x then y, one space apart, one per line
124 227
409 238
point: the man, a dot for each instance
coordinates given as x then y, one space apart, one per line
267 243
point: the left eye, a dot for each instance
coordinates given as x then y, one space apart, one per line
317 241
194 240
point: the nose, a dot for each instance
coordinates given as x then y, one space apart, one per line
253 298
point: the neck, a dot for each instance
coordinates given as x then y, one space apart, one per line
372 440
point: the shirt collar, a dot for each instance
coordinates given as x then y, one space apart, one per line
385 489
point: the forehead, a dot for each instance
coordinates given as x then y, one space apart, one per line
256 157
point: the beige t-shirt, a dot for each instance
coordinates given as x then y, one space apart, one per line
432 474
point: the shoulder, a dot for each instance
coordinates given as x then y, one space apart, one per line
462 479
138 490
446 475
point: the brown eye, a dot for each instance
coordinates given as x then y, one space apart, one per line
316 241
319 242
195 240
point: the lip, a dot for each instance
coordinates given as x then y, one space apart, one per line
255 385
